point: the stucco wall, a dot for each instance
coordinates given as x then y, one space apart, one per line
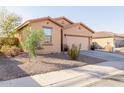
84 41
119 42
56 36
79 32
76 31
103 41
63 22
55 46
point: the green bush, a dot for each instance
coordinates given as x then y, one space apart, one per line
15 50
21 48
0 46
9 41
74 52
10 50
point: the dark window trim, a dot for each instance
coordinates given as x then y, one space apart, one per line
48 27
47 44
62 41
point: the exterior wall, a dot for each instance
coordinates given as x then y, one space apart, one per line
76 32
56 36
103 41
119 42
55 46
63 22
119 38
84 41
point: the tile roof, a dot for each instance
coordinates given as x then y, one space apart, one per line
54 20
59 18
75 24
38 19
103 34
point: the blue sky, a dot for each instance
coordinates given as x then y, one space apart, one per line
97 18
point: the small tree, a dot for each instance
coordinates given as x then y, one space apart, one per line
33 41
8 22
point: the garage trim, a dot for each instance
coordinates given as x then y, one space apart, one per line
81 36
77 35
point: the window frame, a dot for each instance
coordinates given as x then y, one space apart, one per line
49 43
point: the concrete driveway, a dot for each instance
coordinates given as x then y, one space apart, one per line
103 55
112 81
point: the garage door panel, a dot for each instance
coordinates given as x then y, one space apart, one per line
84 41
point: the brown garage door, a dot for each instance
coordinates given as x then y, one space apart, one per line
84 41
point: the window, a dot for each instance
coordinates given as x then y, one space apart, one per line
48 35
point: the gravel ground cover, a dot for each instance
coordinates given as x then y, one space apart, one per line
19 66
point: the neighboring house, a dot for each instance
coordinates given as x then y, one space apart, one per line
58 33
102 38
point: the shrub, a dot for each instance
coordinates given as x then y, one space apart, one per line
9 41
74 52
108 47
93 46
5 49
0 46
10 50
21 48
65 47
15 51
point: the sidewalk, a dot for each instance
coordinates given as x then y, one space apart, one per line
80 76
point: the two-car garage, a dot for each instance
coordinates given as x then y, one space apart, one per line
77 40
77 34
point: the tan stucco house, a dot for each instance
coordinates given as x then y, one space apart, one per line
58 33
102 38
